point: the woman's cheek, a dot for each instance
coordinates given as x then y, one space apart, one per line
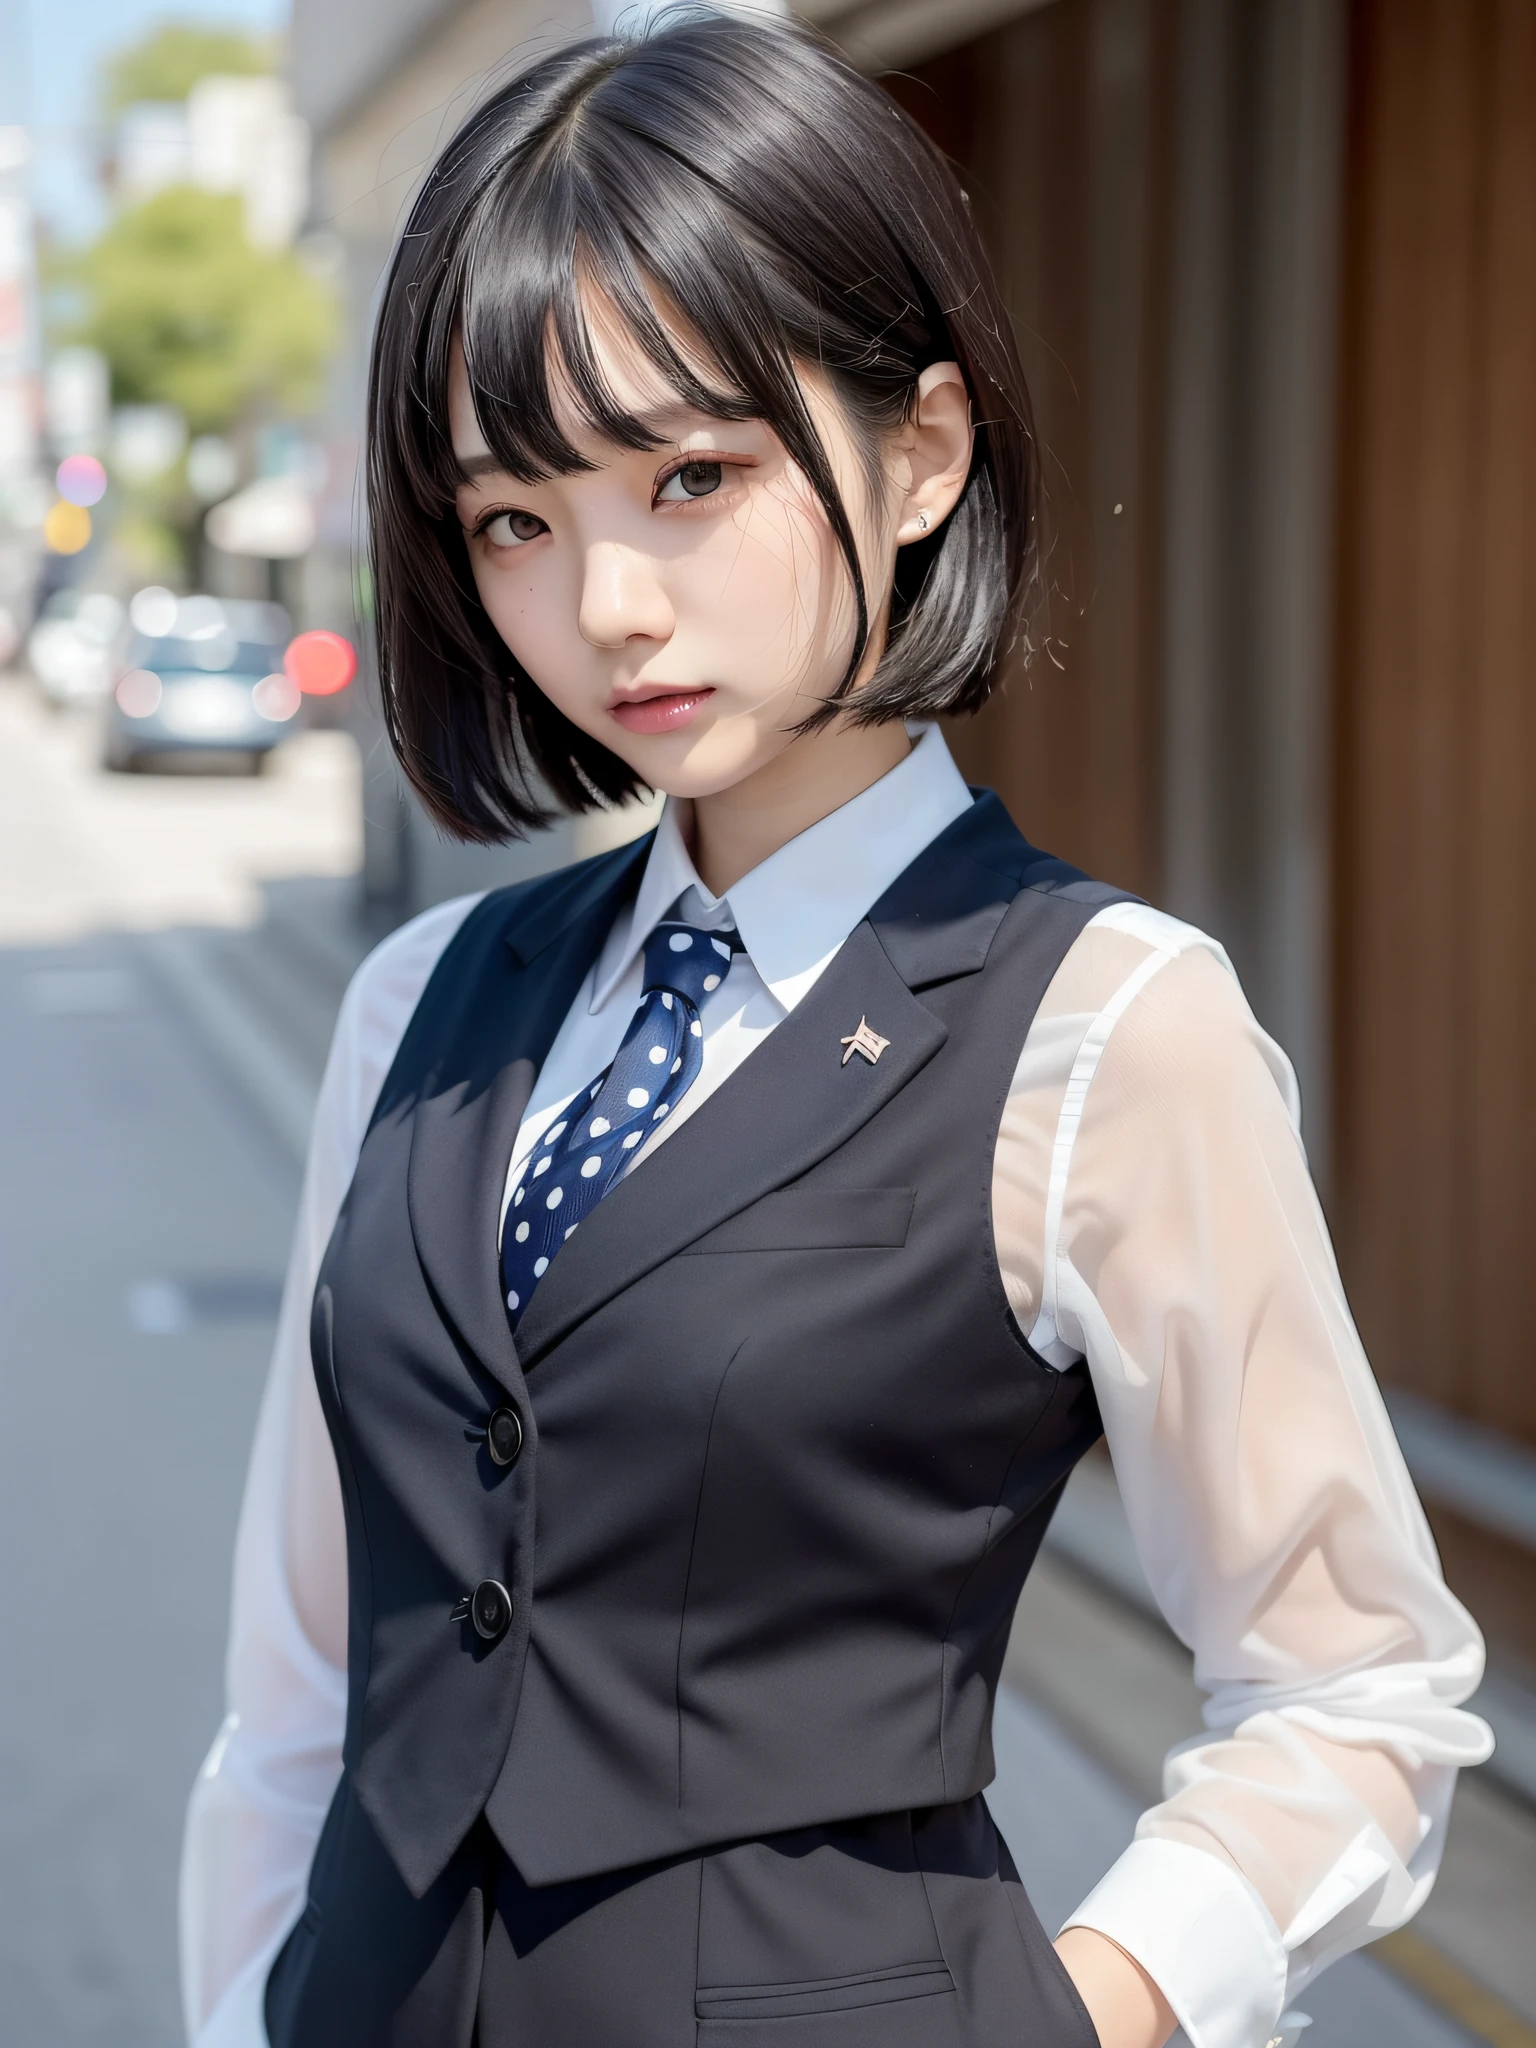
760 581
521 621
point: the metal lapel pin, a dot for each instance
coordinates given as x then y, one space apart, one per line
864 1041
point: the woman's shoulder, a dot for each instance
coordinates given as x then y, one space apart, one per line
1112 959
377 1007
1162 1004
380 1001
1132 928
388 985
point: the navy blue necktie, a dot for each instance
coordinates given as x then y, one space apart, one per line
585 1150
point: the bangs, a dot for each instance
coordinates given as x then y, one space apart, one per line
527 334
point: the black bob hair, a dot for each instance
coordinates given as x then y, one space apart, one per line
744 174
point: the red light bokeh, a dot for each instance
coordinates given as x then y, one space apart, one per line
320 663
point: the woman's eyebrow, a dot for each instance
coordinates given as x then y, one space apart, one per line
671 424
472 467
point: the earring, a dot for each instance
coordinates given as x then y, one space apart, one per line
922 522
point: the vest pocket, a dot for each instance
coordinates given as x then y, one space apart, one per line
816 1219
828 1994
822 1933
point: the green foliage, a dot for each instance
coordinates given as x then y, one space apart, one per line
187 312
167 64
152 547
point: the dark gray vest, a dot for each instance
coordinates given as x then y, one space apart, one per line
787 1457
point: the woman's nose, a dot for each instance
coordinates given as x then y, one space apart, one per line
621 599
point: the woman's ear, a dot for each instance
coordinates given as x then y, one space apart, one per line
934 452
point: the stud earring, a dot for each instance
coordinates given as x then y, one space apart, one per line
923 522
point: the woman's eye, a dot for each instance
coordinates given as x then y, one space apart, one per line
512 529
693 480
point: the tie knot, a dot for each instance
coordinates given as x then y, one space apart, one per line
688 961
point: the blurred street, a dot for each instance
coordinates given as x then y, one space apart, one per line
145 1206
82 851
172 950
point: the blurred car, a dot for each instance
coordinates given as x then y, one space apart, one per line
200 676
70 647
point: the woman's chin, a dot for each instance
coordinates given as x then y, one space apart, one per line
697 761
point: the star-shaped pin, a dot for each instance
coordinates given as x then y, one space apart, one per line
864 1041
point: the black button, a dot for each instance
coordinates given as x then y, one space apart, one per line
490 1609
504 1436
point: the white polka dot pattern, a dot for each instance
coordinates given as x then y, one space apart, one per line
653 1069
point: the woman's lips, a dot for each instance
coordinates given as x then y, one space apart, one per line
661 713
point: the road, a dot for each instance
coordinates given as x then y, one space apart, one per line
82 852
171 952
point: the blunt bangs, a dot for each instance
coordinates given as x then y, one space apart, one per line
742 203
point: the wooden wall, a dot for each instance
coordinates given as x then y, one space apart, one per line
1057 123
1062 124
1435 1116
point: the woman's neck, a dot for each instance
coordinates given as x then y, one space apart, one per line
736 829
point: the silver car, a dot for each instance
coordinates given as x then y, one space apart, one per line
210 684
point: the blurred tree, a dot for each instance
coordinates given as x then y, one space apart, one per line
167 64
187 313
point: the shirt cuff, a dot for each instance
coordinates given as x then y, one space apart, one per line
1202 1934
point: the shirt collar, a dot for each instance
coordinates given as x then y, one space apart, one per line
795 909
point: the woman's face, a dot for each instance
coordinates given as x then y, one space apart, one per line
688 605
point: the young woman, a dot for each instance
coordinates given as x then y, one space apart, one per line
715 1256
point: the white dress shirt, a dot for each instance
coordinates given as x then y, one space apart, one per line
1153 1214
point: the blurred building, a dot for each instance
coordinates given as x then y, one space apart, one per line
230 134
20 399
18 337
1273 271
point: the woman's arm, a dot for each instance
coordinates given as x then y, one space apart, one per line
1185 1255
261 1796
259 1800
1126 2007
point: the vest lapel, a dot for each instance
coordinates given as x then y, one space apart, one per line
789 1105
796 1099
503 1017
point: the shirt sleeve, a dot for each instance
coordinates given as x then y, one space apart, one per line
1183 1252
261 1796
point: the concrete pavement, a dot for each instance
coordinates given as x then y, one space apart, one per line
128 1166
145 1208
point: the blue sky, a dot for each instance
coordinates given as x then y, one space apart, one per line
51 52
